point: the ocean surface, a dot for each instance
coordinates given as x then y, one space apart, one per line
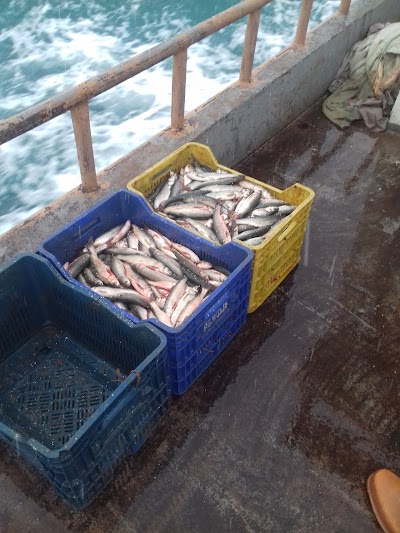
49 46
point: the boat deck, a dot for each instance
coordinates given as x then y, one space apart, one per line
282 431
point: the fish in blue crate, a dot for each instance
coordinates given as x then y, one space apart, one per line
146 274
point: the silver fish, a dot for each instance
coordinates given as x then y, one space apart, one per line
133 241
82 280
161 315
270 202
257 222
121 233
123 251
247 204
286 209
118 268
143 237
256 241
255 232
192 306
123 295
220 227
254 187
174 296
172 264
79 264
264 211
208 176
139 283
189 210
139 311
200 185
165 191
91 278
184 197
204 265
107 236
151 274
203 230
188 295
146 261
214 275
186 252
122 306
162 242
100 269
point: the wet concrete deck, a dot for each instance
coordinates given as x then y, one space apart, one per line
282 431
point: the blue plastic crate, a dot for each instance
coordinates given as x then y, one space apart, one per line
62 407
196 343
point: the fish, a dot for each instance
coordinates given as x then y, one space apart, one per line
121 233
203 230
122 295
118 268
106 237
158 281
161 315
254 232
139 311
81 278
150 273
191 306
143 237
219 225
171 263
187 297
91 278
165 191
285 210
99 268
174 296
239 197
247 204
79 264
191 210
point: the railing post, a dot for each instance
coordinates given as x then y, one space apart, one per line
302 25
344 7
84 146
249 46
179 63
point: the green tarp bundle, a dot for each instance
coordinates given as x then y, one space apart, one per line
368 82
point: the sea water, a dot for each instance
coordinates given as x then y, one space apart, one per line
47 46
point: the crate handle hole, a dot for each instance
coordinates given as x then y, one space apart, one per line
286 232
88 228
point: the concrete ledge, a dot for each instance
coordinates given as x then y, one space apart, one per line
234 123
394 121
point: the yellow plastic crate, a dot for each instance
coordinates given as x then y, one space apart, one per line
279 253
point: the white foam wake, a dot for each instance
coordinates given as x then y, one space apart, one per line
45 52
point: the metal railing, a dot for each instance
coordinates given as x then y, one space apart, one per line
75 100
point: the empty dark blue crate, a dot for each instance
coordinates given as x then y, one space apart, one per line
62 407
196 343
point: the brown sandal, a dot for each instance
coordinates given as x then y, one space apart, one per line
384 492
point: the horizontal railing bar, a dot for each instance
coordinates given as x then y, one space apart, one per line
57 105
